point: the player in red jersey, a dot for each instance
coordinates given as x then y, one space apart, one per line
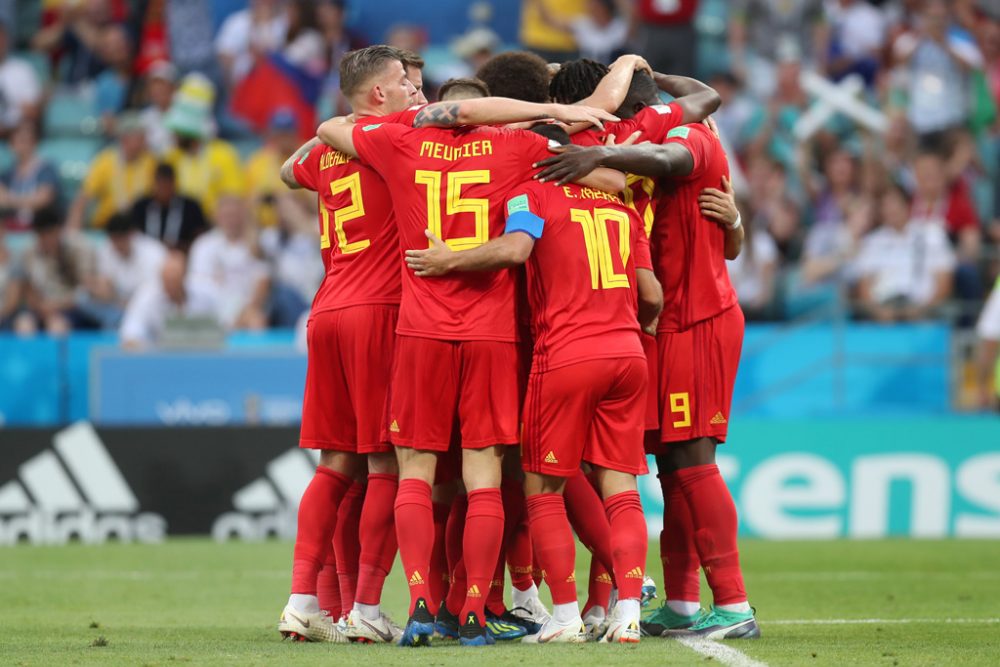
455 353
586 397
699 337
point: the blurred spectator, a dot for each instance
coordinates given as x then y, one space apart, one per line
475 48
113 84
56 269
857 40
158 93
988 331
31 184
72 40
191 33
170 295
407 37
759 29
173 219
537 35
125 262
20 89
303 45
905 266
665 35
119 176
770 193
338 40
773 126
599 34
296 268
224 261
263 177
10 285
259 29
754 275
736 111
937 61
206 168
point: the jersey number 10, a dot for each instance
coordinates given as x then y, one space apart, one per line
598 242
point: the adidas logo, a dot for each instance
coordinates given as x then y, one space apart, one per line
634 573
416 579
571 578
603 578
74 491
393 427
473 592
266 507
522 569
551 457
717 419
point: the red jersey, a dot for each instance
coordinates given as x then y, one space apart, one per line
581 273
689 250
454 183
654 123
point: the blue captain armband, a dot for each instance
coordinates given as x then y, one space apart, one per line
527 222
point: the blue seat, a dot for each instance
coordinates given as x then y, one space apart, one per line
70 114
72 157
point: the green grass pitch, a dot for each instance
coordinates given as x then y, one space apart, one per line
200 603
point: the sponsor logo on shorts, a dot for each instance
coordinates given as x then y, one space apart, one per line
551 457
416 579
634 573
719 418
394 427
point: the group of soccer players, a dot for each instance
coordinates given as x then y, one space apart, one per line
523 298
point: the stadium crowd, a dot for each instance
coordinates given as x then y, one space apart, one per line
133 131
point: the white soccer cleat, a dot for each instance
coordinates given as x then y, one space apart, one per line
595 622
553 632
309 626
623 627
381 631
533 613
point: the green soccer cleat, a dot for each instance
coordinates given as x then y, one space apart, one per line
719 624
665 619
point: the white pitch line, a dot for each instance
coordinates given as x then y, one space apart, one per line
726 655
880 621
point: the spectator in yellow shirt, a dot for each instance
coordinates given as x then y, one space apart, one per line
538 35
206 168
263 171
119 176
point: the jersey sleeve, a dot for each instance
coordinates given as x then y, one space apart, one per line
378 144
654 122
306 168
643 256
695 139
405 117
524 212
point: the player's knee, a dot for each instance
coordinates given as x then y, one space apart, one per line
346 463
383 464
535 484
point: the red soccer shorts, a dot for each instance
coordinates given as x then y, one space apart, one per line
652 363
437 381
347 379
697 374
591 411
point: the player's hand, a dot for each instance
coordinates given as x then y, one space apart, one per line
612 140
435 261
570 164
709 122
580 113
719 205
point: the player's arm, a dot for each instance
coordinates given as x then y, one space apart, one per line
613 88
288 169
671 160
511 249
501 110
338 133
720 206
696 99
650 299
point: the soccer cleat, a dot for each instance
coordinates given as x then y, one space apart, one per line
595 623
648 590
719 624
379 631
665 619
505 627
623 628
309 626
471 633
446 623
553 632
532 615
420 626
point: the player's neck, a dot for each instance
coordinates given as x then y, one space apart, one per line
364 109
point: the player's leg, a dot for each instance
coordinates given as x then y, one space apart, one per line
346 545
500 622
587 517
331 431
615 449
328 586
447 621
527 606
442 496
599 587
